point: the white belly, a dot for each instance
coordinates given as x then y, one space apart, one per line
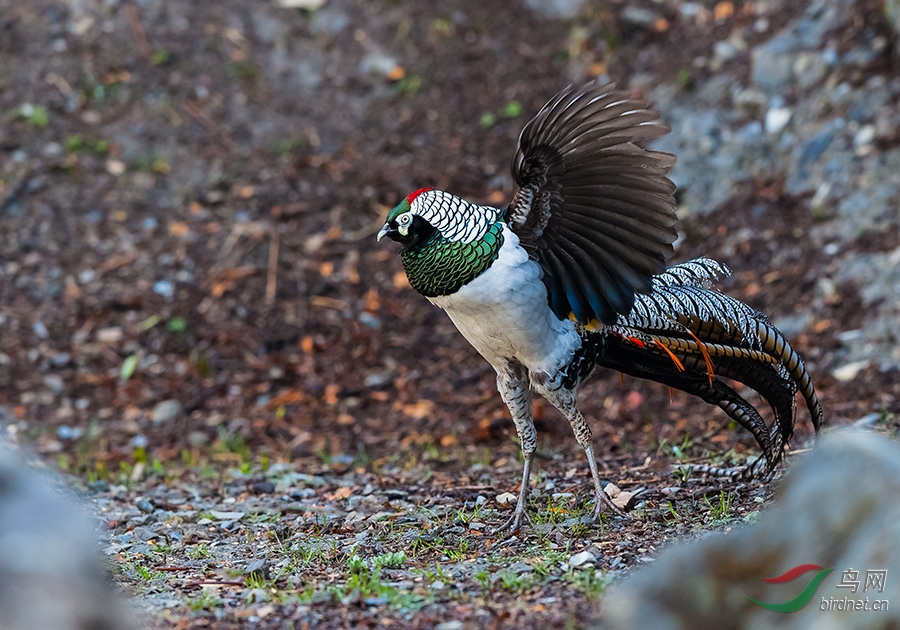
504 314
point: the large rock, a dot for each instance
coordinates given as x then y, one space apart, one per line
50 575
838 509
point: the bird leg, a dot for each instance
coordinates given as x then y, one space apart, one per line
515 390
564 400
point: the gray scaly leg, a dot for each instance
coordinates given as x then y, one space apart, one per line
565 400
512 382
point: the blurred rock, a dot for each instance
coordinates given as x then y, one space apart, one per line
555 9
835 510
781 60
165 411
892 13
50 576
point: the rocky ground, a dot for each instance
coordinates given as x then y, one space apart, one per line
273 428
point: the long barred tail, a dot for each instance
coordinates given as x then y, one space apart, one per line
686 334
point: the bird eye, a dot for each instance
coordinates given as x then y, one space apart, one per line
404 219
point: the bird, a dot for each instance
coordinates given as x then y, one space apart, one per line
571 275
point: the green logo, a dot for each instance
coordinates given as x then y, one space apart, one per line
793 605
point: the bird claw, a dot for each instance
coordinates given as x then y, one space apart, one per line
602 499
514 522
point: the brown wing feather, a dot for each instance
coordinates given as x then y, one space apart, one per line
593 207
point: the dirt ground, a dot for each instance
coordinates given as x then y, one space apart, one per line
196 320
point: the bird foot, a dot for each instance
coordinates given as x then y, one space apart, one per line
514 522
602 499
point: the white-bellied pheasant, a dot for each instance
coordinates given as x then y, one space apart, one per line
572 275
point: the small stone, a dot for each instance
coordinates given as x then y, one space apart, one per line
555 9
226 516
450 625
40 329
862 141
261 486
144 506
640 17
777 119
65 432
112 334
850 371
101 485
166 410
115 167
143 534
309 5
258 568
164 288
352 598
52 150
624 500
54 383
581 558
61 359
376 601
506 497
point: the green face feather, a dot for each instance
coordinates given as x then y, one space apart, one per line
397 211
440 266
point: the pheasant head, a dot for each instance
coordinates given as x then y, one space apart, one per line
445 241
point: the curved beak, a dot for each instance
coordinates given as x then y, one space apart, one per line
384 231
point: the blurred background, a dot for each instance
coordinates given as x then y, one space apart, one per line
189 193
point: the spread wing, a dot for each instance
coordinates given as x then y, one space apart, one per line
593 207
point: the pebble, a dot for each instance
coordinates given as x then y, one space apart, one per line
55 383
555 10
164 288
143 534
581 558
40 329
261 486
101 485
220 515
112 334
777 119
849 371
165 411
65 432
258 568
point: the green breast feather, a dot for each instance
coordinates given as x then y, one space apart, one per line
441 266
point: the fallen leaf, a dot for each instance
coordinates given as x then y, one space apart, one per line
420 409
178 229
331 393
496 198
723 11
396 73
400 280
